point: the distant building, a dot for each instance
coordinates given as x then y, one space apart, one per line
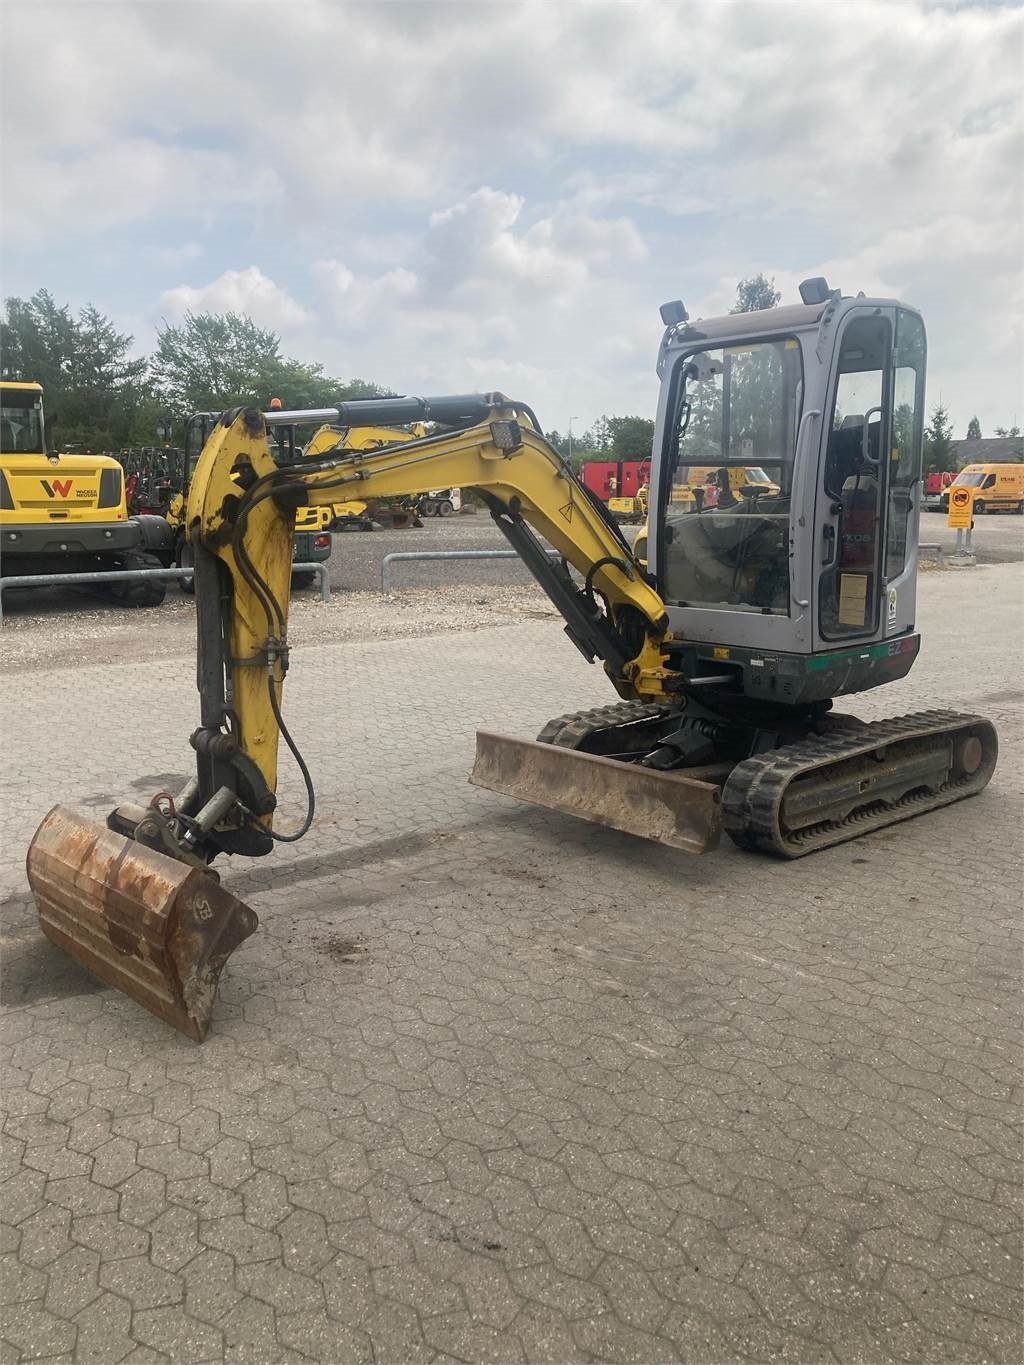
988 450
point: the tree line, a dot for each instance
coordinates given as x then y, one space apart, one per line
101 395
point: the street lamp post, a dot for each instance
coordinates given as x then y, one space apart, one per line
571 420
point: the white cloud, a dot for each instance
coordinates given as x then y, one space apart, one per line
355 300
238 291
176 255
521 185
125 181
479 246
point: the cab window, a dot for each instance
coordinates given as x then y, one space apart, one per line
21 426
731 446
855 479
905 444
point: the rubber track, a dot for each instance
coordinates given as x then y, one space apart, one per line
572 729
753 796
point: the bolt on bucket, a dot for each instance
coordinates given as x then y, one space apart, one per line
665 807
157 929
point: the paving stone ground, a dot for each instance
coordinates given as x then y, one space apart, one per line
492 1084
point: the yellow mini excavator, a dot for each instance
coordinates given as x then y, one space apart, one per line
726 648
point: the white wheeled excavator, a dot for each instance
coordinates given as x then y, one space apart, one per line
726 645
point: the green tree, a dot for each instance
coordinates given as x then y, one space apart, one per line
938 442
37 341
630 438
95 391
756 293
974 430
213 361
1008 431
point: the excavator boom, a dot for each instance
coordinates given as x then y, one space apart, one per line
137 902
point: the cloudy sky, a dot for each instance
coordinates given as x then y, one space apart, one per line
446 196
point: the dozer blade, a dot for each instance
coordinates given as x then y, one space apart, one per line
155 928
663 806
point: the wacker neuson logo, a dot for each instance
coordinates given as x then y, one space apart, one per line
59 488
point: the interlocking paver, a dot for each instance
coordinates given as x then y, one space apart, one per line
44 1236
174 1239
35 1332
111 1236
318 1337
565 1096
143 1284
19 1282
285 1290
181 1337
240 1240
73 1281
210 1290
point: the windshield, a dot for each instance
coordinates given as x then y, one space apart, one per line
731 451
21 424
970 480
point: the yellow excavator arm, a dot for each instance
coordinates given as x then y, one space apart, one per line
138 902
240 517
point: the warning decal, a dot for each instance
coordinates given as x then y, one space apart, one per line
566 511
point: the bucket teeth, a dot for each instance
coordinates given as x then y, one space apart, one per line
157 929
665 807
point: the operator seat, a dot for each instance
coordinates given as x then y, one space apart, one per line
8 437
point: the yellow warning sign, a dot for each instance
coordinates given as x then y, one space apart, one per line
566 511
961 508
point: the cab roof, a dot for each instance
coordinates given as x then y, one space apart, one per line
765 321
25 386
793 317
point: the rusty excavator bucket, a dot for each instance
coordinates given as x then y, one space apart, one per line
155 928
665 807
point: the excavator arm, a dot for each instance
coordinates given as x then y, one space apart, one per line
138 902
240 518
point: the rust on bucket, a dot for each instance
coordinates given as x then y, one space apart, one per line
155 928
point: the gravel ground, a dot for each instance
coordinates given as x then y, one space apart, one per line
998 539
102 635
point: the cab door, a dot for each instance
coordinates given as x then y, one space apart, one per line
852 491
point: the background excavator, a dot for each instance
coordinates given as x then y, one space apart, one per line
357 513
726 646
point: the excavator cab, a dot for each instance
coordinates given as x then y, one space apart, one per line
827 398
755 603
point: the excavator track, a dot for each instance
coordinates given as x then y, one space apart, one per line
829 788
575 727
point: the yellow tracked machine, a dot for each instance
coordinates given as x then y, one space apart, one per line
726 647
